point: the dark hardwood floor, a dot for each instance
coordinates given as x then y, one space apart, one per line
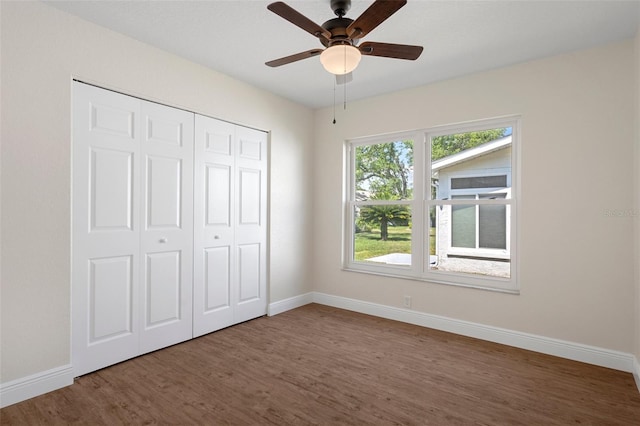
320 365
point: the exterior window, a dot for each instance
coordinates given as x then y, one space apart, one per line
479 226
436 205
479 182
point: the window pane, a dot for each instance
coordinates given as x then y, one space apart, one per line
492 232
383 234
480 159
467 143
384 171
452 245
463 226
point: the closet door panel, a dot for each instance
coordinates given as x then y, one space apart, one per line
214 210
163 288
110 117
106 178
218 191
111 190
166 238
217 279
250 199
110 298
248 273
164 193
251 223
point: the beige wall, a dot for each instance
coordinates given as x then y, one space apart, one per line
42 50
636 192
576 261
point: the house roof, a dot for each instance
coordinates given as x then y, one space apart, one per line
470 154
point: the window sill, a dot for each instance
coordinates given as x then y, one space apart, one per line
397 273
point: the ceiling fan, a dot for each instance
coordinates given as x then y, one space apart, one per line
341 36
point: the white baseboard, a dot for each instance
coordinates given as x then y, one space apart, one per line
636 372
37 384
564 349
281 306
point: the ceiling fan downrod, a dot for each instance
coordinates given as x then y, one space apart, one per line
340 7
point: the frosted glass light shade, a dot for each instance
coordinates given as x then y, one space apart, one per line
340 59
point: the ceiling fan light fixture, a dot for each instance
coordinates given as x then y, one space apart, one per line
340 59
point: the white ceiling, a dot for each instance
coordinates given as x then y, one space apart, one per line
459 37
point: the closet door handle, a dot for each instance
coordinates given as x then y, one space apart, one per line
163 240
216 237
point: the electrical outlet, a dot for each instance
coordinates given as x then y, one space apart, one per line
407 302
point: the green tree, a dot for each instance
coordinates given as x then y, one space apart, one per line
385 215
384 172
443 146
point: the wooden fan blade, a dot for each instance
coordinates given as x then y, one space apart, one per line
296 18
389 50
293 58
377 13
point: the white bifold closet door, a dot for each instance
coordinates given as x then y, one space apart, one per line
230 239
132 227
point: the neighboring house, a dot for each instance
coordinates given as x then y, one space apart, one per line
474 238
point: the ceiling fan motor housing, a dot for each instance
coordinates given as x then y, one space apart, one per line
338 29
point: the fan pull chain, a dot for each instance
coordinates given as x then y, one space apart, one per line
334 101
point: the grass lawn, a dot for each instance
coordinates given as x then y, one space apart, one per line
369 244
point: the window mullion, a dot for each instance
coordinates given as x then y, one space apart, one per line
417 211
477 228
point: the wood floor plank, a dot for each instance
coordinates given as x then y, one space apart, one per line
318 365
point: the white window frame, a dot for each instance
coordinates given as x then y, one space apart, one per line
422 202
352 203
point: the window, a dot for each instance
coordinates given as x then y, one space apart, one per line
435 205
